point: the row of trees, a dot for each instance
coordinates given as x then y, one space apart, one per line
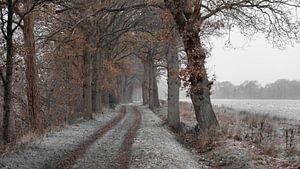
65 59
280 89
74 57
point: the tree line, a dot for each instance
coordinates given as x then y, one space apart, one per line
280 89
61 60
66 59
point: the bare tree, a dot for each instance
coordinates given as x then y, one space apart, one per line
8 31
33 96
9 25
197 18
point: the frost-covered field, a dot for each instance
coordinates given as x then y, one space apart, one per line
284 108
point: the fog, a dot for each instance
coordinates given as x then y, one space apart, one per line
254 59
247 59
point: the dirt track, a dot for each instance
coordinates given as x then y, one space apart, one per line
129 137
112 150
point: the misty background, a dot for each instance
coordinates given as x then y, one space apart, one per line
250 68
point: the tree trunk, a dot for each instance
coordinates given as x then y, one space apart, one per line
173 89
8 114
105 98
151 81
200 85
155 90
95 84
119 89
145 85
128 93
123 89
189 29
87 88
33 97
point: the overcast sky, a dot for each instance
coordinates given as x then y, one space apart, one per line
254 60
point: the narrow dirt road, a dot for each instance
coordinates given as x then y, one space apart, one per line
111 151
131 137
156 147
48 151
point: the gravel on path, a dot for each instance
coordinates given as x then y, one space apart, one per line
156 147
47 151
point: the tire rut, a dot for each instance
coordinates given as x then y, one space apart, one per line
71 157
108 151
127 142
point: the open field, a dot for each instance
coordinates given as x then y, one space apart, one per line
244 140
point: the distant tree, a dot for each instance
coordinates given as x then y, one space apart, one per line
280 89
250 89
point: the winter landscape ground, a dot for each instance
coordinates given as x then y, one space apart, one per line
134 137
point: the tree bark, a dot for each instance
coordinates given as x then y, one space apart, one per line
151 82
87 87
145 85
155 90
95 84
128 93
200 85
120 88
173 89
189 30
8 114
33 97
105 98
150 89
123 89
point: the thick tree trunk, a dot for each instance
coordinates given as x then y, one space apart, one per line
8 114
150 89
189 29
204 112
200 86
33 97
173 89
87 87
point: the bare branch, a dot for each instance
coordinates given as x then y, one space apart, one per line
2 75
2 24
